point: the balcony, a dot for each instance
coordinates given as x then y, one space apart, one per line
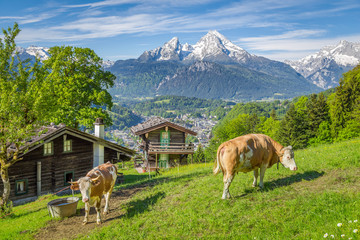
172 148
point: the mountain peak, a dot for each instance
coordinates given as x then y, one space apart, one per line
213 47
326 67
217 34
173 43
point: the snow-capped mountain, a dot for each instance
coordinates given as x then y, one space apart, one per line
326 67
212 47
216 48
107 63
32 52
214 67
42 53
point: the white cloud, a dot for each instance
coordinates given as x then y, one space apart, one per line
110 18
36 18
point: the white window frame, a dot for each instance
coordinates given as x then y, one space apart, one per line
67 145
48 148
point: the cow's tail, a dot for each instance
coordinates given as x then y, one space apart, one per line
217 169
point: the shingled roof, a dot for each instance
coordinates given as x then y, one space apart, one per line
156 123
48 133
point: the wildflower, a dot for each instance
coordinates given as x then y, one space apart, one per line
355 231
339 224
355 221
342 235
350 221
332 236
326 235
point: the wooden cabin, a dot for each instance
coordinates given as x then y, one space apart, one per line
163 143
57 156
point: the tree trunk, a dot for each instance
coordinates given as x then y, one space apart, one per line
6 182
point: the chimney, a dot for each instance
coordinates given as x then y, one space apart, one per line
98 148
99 128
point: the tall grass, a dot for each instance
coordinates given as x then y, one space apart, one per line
186 203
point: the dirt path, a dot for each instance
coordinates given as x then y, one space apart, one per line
71 227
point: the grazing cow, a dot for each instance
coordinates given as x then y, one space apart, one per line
249 153
98 182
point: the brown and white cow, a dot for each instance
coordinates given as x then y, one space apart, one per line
98 182
249 153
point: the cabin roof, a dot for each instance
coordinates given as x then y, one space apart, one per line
156 123
48 133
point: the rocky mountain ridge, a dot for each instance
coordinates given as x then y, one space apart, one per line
326 67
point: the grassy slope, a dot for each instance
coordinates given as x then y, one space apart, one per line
186 203
302 205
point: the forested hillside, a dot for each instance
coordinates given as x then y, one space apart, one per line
309 120
123 117
173 106
139 79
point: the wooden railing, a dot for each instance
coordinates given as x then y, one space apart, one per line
156 147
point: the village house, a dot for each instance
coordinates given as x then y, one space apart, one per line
163 143
60 154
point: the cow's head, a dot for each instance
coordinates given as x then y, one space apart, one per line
287 158
84 184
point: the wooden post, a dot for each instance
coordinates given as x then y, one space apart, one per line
156 164
148 162
38 178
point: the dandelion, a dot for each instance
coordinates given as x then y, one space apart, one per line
339 224
342 235
355 231
350 221
326 235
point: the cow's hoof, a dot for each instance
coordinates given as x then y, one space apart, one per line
98 222
84 223
254 185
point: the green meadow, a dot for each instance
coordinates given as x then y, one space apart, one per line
185 203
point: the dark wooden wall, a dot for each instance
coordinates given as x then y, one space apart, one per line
110 155
176 136
53 167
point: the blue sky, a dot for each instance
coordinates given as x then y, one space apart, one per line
122 29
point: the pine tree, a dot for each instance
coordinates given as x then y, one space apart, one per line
199 155
317 112
273 114
294 126
344 100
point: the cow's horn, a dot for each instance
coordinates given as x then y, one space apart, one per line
72 182
95 179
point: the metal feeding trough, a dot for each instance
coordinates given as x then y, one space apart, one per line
63 207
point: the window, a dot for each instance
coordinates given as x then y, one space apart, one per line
21 187
67 145
68 177
48 148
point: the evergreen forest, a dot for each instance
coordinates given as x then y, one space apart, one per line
326 117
